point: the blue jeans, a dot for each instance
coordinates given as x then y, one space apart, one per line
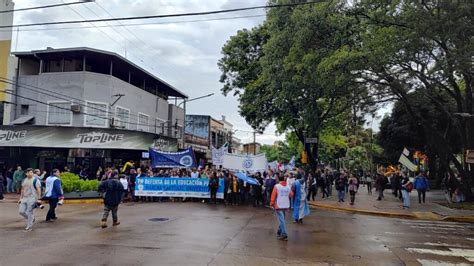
281 223
406 198
340 195
9 185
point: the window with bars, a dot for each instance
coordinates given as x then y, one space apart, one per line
59 113
96 114
122 117
143 124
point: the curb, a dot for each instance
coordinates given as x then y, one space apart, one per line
413 216
366 212
68 201
459 219
83 201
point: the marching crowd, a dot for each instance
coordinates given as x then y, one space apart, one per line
281 190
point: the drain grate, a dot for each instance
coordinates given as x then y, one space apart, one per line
158 219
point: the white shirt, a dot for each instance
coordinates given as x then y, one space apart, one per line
194 174
283 196
124 183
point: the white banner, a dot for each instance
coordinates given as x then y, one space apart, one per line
218 155
251 163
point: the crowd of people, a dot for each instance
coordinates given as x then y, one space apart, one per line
281 190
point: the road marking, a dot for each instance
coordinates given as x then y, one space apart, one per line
439 263
441 245
467 254
434 227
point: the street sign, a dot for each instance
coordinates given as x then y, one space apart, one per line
311 140
470 156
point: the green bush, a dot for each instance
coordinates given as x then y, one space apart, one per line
73 183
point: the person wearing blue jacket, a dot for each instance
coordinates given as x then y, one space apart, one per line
421 185
53 193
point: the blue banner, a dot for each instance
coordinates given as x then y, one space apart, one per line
182 159
176 187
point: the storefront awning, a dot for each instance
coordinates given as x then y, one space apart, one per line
82 138
22 120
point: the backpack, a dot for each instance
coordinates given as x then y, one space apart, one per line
409 186
214 182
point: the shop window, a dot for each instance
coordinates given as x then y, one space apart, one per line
59 113
96 114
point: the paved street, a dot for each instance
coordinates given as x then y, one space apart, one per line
201 234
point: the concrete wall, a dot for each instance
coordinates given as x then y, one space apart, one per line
94 87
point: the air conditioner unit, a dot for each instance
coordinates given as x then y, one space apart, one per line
75 108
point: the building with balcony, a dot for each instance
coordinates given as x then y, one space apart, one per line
88 107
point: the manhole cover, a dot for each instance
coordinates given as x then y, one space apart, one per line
158 219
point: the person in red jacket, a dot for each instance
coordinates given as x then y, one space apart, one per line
280 202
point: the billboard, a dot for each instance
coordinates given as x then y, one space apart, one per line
197 129
74 137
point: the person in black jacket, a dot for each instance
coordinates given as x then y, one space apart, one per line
112 191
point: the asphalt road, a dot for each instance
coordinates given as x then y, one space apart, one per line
201 234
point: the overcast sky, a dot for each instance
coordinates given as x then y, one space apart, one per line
184 54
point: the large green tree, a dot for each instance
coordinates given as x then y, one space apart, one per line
280 72
402 53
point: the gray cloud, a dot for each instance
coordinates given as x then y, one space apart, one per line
183 54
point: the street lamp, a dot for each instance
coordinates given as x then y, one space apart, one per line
193 99
184 119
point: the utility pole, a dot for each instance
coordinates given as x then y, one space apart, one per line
254 143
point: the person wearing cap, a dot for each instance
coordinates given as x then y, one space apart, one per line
30 195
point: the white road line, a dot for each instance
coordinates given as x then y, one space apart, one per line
467 254
440 263
439 244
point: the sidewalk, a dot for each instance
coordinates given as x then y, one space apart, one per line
392 207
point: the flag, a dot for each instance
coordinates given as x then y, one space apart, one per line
218 154
406 152
406 162
250 180
292 162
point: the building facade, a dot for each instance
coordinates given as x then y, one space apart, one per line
90 107
7 62
202 132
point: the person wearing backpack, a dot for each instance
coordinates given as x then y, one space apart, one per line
213 187
407 187
30 195
421 185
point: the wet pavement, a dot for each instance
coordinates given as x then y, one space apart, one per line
202 234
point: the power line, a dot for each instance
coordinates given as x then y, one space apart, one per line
108 36
124 37
81 112
43 7
163 16
64 98
137 24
